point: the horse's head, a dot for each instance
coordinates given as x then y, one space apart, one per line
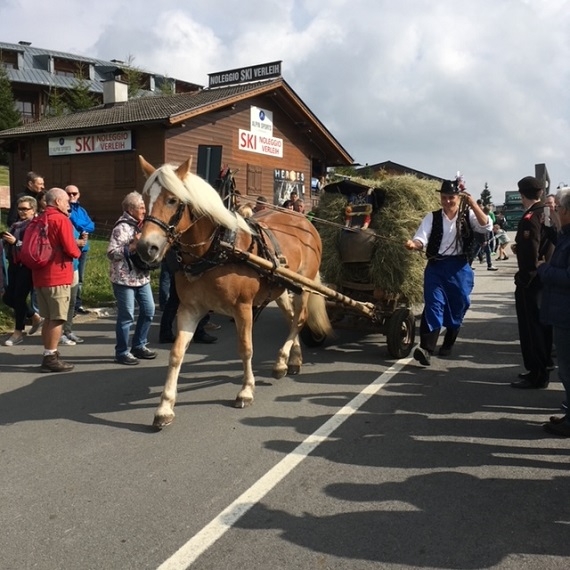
167 215
175 200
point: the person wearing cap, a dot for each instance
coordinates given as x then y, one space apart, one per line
532 247
260 204
447 237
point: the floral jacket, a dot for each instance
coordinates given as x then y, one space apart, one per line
122 272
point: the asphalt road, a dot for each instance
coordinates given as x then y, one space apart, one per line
360 462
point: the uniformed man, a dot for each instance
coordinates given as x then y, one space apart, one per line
532 246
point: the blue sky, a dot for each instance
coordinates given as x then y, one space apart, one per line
480 86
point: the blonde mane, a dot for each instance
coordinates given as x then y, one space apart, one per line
199 194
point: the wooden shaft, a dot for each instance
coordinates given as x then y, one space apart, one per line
365 308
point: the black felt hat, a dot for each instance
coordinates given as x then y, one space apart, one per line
449 187
530 184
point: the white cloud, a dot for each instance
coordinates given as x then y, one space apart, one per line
437 85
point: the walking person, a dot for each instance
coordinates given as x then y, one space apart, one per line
555 305
84 226
52 282
19 277
532 247
130 285
446 236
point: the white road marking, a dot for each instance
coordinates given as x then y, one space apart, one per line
187 554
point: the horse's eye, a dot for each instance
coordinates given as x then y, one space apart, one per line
172 201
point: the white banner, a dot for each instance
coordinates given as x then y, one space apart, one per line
262 144
85 144
261 121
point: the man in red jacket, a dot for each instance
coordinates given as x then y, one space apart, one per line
53 282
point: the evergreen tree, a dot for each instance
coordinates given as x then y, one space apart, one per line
9 115
133 76
79 97
486 196
57 105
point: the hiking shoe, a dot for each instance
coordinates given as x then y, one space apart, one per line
76 339
52 363
422 356
205 338
492 268
35 326
14 340
127 359
66 341
144 353
82 311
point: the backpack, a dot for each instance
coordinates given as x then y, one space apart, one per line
36 250
134 260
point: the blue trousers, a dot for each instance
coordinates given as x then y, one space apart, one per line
448 283
562 343
126 297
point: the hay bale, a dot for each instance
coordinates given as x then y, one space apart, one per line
393 269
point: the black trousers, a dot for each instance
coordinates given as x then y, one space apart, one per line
169 314
535 337
17 292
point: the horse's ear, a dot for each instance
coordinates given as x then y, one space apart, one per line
184 169
147 168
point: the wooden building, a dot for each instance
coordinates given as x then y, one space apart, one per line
260 129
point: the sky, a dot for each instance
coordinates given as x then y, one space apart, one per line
440 86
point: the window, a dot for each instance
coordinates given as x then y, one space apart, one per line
253 179
209 163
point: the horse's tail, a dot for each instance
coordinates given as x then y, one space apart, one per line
317 319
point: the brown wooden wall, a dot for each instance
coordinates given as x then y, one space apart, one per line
105 178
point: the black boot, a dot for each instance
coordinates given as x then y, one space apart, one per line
428 340
448 342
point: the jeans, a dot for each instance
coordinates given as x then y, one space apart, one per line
81 269
562 343
126 297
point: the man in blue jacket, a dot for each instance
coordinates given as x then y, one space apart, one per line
85 226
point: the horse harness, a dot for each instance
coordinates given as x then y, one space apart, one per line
219 253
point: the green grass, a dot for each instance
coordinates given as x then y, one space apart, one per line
4 176
97 290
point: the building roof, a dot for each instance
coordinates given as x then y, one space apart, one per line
34 69
175 109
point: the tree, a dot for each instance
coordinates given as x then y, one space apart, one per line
79 97
9 115
56 104
133 76
486 196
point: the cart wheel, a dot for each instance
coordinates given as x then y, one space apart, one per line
310 338
401 333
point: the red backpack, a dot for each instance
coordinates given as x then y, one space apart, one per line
36 250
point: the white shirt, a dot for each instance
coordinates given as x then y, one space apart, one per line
449 244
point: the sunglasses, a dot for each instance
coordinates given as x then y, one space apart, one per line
24 209
73 193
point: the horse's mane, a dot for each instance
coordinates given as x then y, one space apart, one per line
195 191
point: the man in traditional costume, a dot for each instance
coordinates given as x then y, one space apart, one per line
446 236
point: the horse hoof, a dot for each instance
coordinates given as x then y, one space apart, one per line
162 421
293 370
243 402
279 373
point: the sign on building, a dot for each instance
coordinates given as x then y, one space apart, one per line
245 74
85 144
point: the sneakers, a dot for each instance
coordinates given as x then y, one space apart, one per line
14 340
212 326
82 311
422 356
52 363
205 338
76 339
66 341
127 359
35 326
492 268
144 353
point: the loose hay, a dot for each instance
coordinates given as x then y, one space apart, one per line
393 269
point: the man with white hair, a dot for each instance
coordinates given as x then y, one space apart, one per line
53 281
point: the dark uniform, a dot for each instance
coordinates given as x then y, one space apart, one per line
532 244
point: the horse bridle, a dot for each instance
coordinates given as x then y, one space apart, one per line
170 228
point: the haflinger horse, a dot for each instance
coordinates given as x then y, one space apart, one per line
188 215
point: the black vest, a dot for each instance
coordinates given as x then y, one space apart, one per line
464 234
